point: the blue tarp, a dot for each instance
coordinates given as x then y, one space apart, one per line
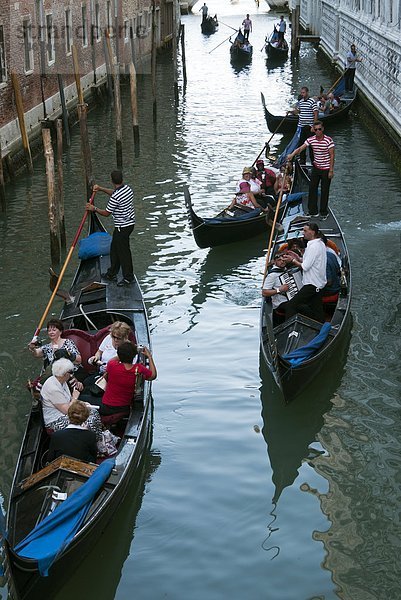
294 143
96 244
300 355
55 532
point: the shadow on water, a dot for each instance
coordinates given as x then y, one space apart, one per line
100 572
290 429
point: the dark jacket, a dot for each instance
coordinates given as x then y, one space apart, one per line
77 443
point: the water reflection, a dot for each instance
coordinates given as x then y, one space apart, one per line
290 430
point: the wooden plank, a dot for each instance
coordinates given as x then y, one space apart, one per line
65 463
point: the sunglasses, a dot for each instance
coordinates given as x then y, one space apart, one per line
318 129
115 337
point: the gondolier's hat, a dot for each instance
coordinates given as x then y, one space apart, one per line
246 170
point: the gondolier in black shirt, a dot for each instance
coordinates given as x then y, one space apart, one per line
121 206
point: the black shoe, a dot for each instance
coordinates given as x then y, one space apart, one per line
109 277
323 217
124 282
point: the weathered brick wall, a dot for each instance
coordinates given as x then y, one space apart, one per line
136 13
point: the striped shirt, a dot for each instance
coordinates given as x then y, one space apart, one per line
321 154
306 111
121 206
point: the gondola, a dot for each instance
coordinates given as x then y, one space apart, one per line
275 51
33 502
293 373
228 226
209 25
288 124
240 49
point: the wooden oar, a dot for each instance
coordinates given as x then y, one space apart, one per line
274 223
233 28
67 260
270 139
336 82
220 43
264 45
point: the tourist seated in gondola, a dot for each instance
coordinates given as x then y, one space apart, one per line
283 181
76 440
245 198
333 102
267 177
247 173
55 329
273 287
119 333
56 398
121 374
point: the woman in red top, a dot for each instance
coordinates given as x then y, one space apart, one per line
121 376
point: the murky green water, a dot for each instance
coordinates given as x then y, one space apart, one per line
241 496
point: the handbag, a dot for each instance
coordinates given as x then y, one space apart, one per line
98 388
107 445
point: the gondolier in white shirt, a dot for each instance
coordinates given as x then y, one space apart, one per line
322 169
121 206
247 25
282 27
308 300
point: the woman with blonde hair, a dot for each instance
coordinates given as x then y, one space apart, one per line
119 333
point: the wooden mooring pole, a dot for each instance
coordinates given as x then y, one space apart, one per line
175 52
2 186
60 185
184 66
53 208
64 110
134 108
21 120
295 32
83 127
115 69
153 61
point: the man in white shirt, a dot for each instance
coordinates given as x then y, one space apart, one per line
282 27
313 264
272 287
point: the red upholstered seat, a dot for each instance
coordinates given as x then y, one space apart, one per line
330 299
109 420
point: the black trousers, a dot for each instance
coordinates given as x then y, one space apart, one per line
246 34
349 76
307 301
319 176
305 133
120 252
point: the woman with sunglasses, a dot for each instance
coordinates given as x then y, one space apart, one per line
56 398
119 333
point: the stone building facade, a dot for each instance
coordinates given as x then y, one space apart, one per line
374 26
36 38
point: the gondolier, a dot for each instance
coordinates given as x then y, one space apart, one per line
121 207
308 113
322 169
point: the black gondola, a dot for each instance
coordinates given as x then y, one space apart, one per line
95 306
288 124
274 50
293 377
228 226
209 25
241 50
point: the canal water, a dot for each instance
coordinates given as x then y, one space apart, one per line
240 496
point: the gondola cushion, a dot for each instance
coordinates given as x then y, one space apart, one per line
96 244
